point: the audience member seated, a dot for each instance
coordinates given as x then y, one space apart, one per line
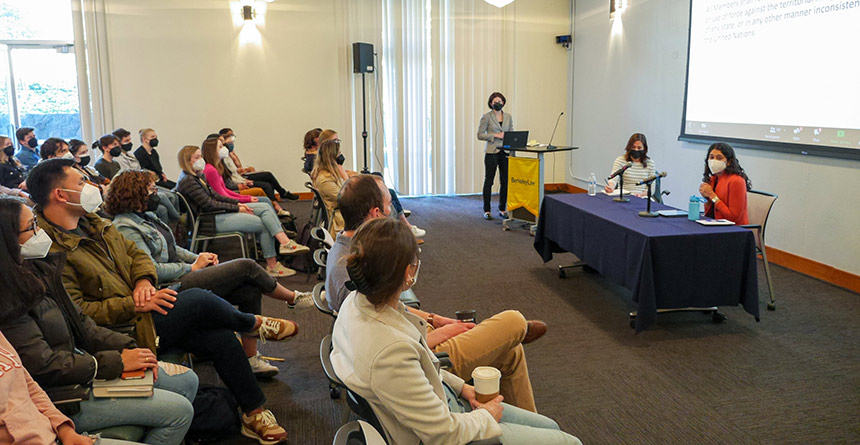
255 218
327 180
126 159
242 282
60 346
496 341
395 201
148 157
636 151
107 166
113 282
81 154
311 146
54 148
27 154
379 351
11 171
725 185
250 172
27 412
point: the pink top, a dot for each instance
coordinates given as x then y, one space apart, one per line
217 183
26 413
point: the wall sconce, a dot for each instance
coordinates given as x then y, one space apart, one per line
248 12
617 6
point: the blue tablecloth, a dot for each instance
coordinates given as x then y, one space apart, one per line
664 262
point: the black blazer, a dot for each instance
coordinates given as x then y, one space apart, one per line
11 175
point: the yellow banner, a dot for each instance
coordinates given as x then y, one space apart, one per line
524 184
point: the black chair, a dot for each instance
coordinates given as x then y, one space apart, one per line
358 432
319 214
203 230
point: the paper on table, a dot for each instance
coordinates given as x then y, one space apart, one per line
715 222
615 192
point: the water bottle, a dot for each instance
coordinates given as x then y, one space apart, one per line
592 185
693 212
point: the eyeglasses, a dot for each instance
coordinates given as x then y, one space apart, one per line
32 226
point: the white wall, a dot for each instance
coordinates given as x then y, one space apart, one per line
633 81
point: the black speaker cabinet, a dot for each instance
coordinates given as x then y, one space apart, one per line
362 57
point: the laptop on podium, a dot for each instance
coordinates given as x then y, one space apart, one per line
515 139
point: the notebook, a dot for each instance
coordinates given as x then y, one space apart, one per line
715 222
672 213
134 387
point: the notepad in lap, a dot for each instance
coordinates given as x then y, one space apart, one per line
715 222
124 388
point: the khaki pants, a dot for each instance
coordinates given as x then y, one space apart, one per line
495 342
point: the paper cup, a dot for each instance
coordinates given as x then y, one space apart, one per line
486 379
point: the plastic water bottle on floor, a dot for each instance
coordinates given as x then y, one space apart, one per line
592 185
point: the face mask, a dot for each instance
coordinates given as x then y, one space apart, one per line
126 147
223 152
229 146
9 151
411 282
153 142
67 155
152 202
498 106
716 166
36 247
199 165
33 143
116 151
91 199
340 159
85 160
634 154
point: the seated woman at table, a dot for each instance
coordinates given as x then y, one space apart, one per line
725 185
636 152
380 351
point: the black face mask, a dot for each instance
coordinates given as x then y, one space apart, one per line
340 159
9 151
498 106
33 143
152 202
116 151
85 161
153 142
634 154
126 147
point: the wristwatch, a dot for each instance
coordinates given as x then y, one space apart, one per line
715 199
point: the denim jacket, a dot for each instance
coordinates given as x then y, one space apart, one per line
149 239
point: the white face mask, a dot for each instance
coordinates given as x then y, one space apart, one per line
199 165
37 246
91 199
67 155
716 166
223 152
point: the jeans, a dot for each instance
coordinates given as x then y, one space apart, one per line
166 210
269 178
491 161
241 282
519 427
395 202
167 413
202 323
264 222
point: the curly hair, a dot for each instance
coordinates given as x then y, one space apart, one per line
128 191
732 164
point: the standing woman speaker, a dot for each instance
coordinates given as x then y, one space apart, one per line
492 129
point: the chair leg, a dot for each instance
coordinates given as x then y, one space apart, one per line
771 306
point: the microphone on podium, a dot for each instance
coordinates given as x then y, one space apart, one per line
550 146
620 171
652 178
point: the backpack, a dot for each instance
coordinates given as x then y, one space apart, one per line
305 263
216 415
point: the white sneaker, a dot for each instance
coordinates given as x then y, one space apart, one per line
261 367
303 300
418 232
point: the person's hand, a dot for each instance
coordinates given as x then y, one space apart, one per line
254 199
468 393
164 177
68 436
610 187
441 335
139 358
24 194
143 292
205 259
249 183
500 135
161 300
439 321
242 186
494 407
250 170
706 190
245 209
22 185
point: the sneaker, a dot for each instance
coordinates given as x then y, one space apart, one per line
418 232
488 216
280 271
274 329
263 428
407 213
301 300
284 214
503 214
292 196
293 248
261 367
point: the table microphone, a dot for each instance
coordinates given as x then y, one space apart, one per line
652 178
620 171
550 146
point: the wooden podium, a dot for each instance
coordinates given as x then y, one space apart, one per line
534 186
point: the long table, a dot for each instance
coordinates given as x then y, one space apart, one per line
665 262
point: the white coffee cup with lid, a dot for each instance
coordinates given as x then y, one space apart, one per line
486 379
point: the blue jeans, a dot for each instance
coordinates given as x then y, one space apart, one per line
264 223
518 425
167 414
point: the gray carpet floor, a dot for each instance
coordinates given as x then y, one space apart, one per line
794 377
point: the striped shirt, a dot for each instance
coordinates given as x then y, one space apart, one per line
633 174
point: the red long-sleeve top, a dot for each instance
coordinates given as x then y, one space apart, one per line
732 191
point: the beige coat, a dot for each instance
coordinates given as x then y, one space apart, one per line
382 356
329 186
